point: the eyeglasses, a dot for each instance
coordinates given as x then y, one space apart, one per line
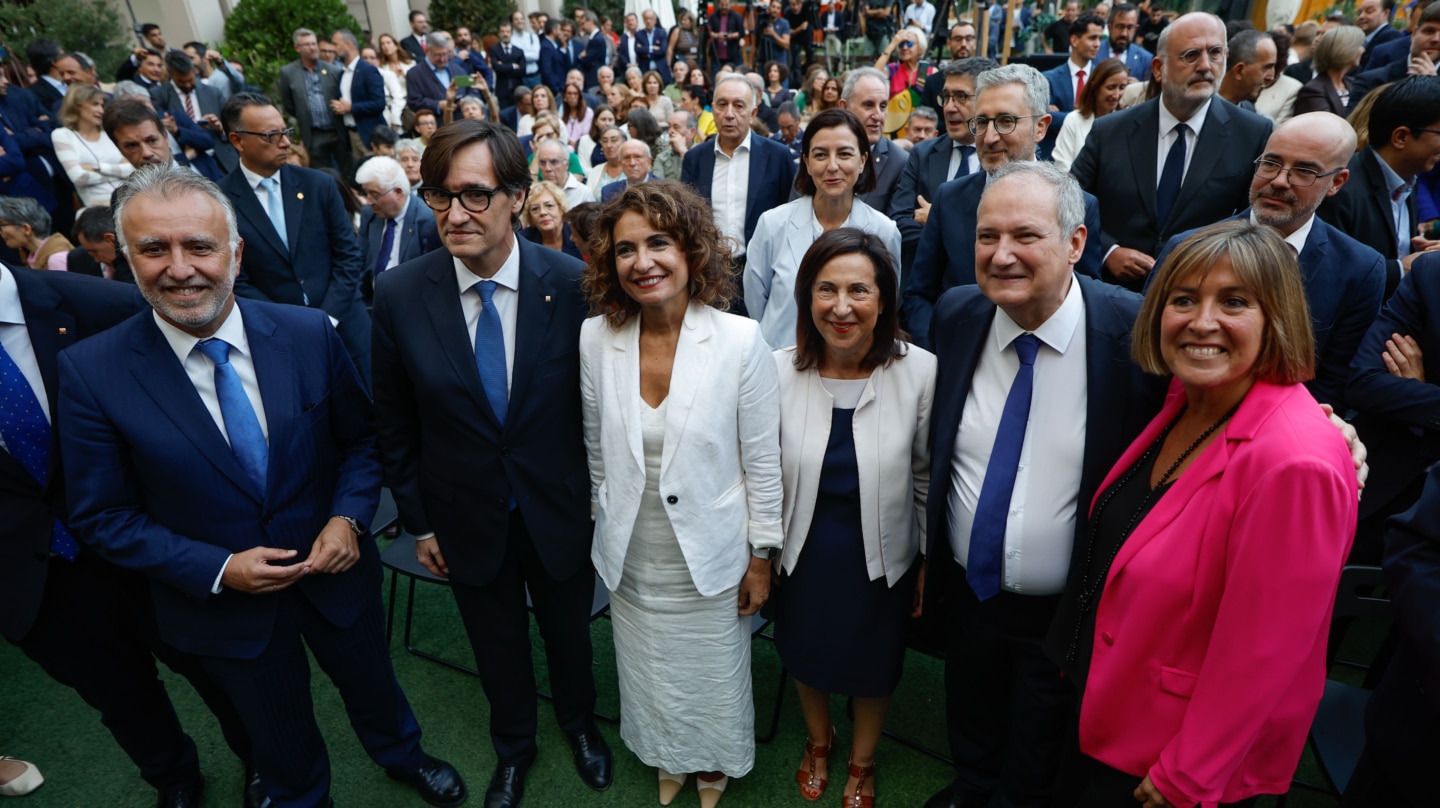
475 200
958 97
963 38
1004 124
1192 56
1299 176
905 43
1418 130
553 161
371 196
273 138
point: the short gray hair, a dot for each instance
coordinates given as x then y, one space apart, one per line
24 210
409 144
564 147
1037 88
301 32
349 37
853 77
130 89
738 77
925 113
438 39
169 181
972 66
385 171
643 145
1069 199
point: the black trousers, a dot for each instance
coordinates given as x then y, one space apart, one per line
273 694
331 148
96 634
1107 787
1006 703
499 628
1371 787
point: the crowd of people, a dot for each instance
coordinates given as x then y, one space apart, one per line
1080 361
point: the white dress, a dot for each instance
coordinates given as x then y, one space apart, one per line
683 659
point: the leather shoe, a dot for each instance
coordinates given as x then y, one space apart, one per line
949 797
435 781
254 789
593 759
182 797
507 787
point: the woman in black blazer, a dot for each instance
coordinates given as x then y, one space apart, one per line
1335 56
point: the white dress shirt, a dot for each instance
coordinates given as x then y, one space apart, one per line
1075 77
1040 529
1167 138
393 259
347 80
1297 239
923 14
972 160
16 339
729 188
506 300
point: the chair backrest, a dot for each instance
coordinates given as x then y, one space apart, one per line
1359 593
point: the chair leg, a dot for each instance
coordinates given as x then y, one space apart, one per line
775 713
390 611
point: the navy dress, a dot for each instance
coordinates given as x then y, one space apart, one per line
837 630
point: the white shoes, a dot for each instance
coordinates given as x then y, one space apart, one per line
670 785
710 791
25 783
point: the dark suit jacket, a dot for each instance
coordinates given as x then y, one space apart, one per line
890 161
614 189
1318 95
1121 401
30 124
15 180
1301 71
1062 91
424 91
320 268
1344 284
622 55
945 256
925 171
1117 166
416 232
654 44
771 176
593 57
166 99
137 430
1396 50
48 96
79 262
292 95
451 465
60 309
412 45
1387 33
1374 77
509 70
367 99
1362 210
553 66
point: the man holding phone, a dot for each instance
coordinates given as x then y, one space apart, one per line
427 83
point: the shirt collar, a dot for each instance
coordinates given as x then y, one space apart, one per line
350 68
1299 237
744 144
507 276
231 331
1393 181
10 311
56 83
255 179
180 91
1168 121
1055 332
1074 68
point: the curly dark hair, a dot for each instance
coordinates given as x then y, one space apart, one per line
672 208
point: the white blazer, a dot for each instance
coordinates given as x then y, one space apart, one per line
772 260
720 470
892 450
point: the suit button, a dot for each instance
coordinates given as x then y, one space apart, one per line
268 520
505 451
1106 638
672 499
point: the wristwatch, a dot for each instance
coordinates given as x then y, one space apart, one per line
354 524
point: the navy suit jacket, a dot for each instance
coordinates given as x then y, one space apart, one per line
424 91
1362 210
654 46
1062 91
414 47
614 189
771 176
49 98
1396 50
154 487
30 125
622 54
367 99
923 175
1387 33
553 66
15 180
417 235
1375 77
1344 285
945 256
509 70
61 308
593 57
320 268
1137 59
209 101
1121 401
453 467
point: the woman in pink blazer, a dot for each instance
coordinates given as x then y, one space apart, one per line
1216 542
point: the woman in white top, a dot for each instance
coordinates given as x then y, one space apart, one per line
94 165
1101 96
609 171
543 101
660 106
834 167
395 62
682 433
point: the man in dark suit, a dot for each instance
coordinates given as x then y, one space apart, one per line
361 105
274 201
415 43
635 161
945 255
22 117
508 62
1377 206
199 102
866 93
396 226
99 253
593 55
1205 175
553 61
628 52
726 28
994 584
1373 17
54 70
1067 79
651 42
1302 165
1424 52
1249 68
252 416
427 82
307 86
87 623
478 402
1121 44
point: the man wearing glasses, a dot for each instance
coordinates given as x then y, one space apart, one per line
1176 162
394 227
274 202
553 157
477 399
1124 22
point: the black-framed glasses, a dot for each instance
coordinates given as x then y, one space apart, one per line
1418 130
1300 176
273 138
475 200
1004 124
959 97
1192 56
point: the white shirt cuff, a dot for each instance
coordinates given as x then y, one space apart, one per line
215 590
425 537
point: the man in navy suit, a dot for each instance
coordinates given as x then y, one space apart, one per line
629 52
1373 17
594 51
635 161
396 226
274 202
22 117
1419 58
945 256
1124 22
361 103
651 42
87 623
198 102
1066 80
508 62
427 82
553 61
226 450
1304 164
478 401
415 44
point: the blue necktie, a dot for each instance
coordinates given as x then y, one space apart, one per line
490 351
387 243
247 439
1171 176
27 439
276 207
987 535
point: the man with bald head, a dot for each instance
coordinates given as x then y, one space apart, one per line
1176 162
1303 164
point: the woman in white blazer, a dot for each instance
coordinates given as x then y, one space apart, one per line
682 431
855 460
834 167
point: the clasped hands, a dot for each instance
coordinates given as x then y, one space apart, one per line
261 570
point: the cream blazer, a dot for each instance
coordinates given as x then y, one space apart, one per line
720 469
892 449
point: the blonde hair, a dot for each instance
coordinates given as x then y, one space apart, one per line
538 189
77 96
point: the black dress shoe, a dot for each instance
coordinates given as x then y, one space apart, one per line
254 789
507 787
435 781
948 797
183 797
592 759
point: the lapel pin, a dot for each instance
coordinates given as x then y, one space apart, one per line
63 332
547 300
299 196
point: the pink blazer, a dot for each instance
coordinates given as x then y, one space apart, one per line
1210 633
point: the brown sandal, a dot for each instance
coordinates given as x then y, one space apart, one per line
856 799
812 786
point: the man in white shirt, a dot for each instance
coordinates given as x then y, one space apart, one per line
920 15
527 39
1068 79
553 157
395 227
